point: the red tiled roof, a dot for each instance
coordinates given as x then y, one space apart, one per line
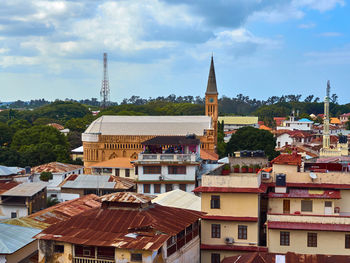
230 218
56 126
322 185
152 225
345 115
210 189
308 226
232 248
290 159
305 193
279 120
208 155
55 167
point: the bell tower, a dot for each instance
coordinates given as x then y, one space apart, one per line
211 99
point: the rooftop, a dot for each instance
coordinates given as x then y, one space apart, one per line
149 125
13 237
55 167
126 197
7 185
88 181
25 189
57 213
307 193
172 140
5 170
239 120
289 159
208 155
120 162
150 227
180 199
80 149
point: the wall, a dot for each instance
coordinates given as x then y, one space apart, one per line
5 211
80 192
23 252
65 257
229 229
189 188
344 203
332 243
245 180
206 254
188 253
123 255
189 176
262 161
283 139
276 205
233 204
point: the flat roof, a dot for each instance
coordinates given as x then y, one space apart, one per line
239 120
25 189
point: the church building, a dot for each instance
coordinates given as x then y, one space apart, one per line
111 137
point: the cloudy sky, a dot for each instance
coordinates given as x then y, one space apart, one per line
53 49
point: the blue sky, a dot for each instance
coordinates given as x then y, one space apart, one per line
53 49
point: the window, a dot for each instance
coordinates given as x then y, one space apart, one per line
312 239
215 230
215 202
86 252
157 188
58 249
242 232
347 241
182 187
127 172
168 187
105 253
306 205
151 169
215 258
117 172
284 238
13 214
136 170
146 188
136 257
176 169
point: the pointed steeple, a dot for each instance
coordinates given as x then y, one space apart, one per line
211 87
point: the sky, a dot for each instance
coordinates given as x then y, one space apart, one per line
261 48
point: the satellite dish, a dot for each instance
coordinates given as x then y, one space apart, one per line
313 176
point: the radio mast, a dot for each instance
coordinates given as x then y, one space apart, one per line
105 84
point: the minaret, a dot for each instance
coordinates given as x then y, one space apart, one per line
211 99
326 137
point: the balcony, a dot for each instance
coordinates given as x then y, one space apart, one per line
144 157
318 219
91 260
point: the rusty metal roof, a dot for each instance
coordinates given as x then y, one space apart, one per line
55 167
307 193
25 189
151 226
57 213
7 185
126 197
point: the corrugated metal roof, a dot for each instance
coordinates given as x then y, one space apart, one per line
55 167
88 181
152 224
306 193
239 120
57 213
25 189
7 185
149 125
5 170
13 237
126 197
180 199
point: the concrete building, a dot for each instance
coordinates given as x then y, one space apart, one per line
292 124
78 153
122 167
236 122
110 137
168 163
127 228
22 200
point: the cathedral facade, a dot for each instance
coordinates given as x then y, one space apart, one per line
110 137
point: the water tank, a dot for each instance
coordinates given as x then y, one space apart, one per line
28 169
280 180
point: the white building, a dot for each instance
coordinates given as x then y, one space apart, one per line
292 124
168 163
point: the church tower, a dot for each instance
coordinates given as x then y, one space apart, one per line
211 99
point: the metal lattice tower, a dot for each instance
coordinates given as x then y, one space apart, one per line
105 84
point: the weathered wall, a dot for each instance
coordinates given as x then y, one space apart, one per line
206 255
23 253
249 180
188 253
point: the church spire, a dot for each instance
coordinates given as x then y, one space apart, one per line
211 87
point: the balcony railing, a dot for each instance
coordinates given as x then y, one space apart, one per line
91 260
167 157
322 219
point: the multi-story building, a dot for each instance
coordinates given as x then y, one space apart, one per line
235 209
122 167
168 163
110 137
126 228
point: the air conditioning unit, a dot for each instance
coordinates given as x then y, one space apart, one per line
229 240
265 175
161 178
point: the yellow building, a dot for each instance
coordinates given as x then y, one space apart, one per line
117 167
126 228
234 206
110 137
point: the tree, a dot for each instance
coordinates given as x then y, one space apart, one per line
249 138
51 201
347 124
46 176
5 134
221 145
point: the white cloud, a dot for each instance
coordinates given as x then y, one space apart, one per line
334 57
330 34
307 26
320 5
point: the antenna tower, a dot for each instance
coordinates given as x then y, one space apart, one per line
105 84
